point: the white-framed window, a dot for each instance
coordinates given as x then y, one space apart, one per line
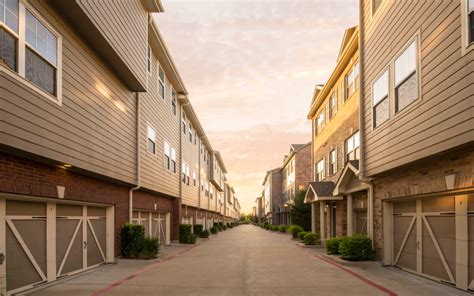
380 102
151 139
173 101
167 156
190 133
31 47
161 82
185 173
320 122
352 151
333 104
183 121
173 160
351 82
406 78
467 25
333 162
194 178
148 60
320 174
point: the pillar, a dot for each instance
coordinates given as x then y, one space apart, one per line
322 221
350 218
313 217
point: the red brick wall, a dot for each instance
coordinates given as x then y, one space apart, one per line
27 177
422 177
303 168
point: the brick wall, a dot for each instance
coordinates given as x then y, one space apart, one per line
422 177
303 168
27 177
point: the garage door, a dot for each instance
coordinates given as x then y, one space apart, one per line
433 237
46 241
157 225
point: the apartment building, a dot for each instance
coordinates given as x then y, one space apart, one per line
338 199
260 211
417 134
271 194
90 137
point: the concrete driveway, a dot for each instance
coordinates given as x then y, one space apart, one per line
245 261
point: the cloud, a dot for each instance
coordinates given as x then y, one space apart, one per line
250 67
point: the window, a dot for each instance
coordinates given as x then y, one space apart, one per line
380 103
151 140
352 147
173 101
32 41
375 5
194 178
161 82
185 173
173 160
320 170
183 120
148 60
406 78
351 81
167 156
332 162
470 21
333 105
190 133
320 122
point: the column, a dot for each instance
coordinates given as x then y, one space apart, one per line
313 217
350 218
322 221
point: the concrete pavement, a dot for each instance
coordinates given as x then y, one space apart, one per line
245 261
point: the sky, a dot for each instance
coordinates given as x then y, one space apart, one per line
250 68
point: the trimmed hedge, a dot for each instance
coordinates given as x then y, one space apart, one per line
301 235
274 228
213 230
197 229
204 234
294 230
310 238
185 234
332 245
134 244
356 248
224 227
282 228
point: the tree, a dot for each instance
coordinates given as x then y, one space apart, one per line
300 212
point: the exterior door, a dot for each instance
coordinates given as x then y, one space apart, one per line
430 238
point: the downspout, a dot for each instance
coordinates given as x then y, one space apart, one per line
181 155
362 178
138 181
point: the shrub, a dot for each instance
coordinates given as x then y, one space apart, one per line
310 238
294 230
185 234
301 235
197 229
131 236
224 227
282 228
274 228
135 245
266 225
204 234
332 244
213 230
231 225
357 248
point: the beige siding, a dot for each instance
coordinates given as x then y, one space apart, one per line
157 112
190 153
442 117
130 40
94 129
204 177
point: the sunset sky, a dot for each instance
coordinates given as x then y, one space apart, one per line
250 68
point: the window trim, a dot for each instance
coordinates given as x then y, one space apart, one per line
323 124
330 164
161 81
331 110
392 83
372 105
149 59
466 46
323 171
149 126
20 74
174 101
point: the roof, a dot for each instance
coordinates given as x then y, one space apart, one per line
294 148
345 182
319 191
355 163
268 174
220 160
349 46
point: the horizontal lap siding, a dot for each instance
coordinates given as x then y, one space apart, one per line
443 117
190 192
157 112
93 129
124 24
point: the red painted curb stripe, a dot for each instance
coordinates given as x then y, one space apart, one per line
355 274
135 274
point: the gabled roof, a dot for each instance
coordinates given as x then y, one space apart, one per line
319 191
345 40
268 174
349 173
294 148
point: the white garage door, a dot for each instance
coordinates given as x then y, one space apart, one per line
434 236
157 225
46 241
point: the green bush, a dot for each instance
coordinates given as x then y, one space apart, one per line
333 244
266 225
301 235
310 238
224 227
294 230
282 228
230 225
356 248
185 234
275 228
204 234
197 229
134 244
214 230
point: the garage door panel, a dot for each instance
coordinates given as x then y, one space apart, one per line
407 257
438 204
65 230
96 211
404 207
19 268
432 263
99 226
443 228
33 233
23 208
471 250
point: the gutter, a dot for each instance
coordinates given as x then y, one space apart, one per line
130 193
